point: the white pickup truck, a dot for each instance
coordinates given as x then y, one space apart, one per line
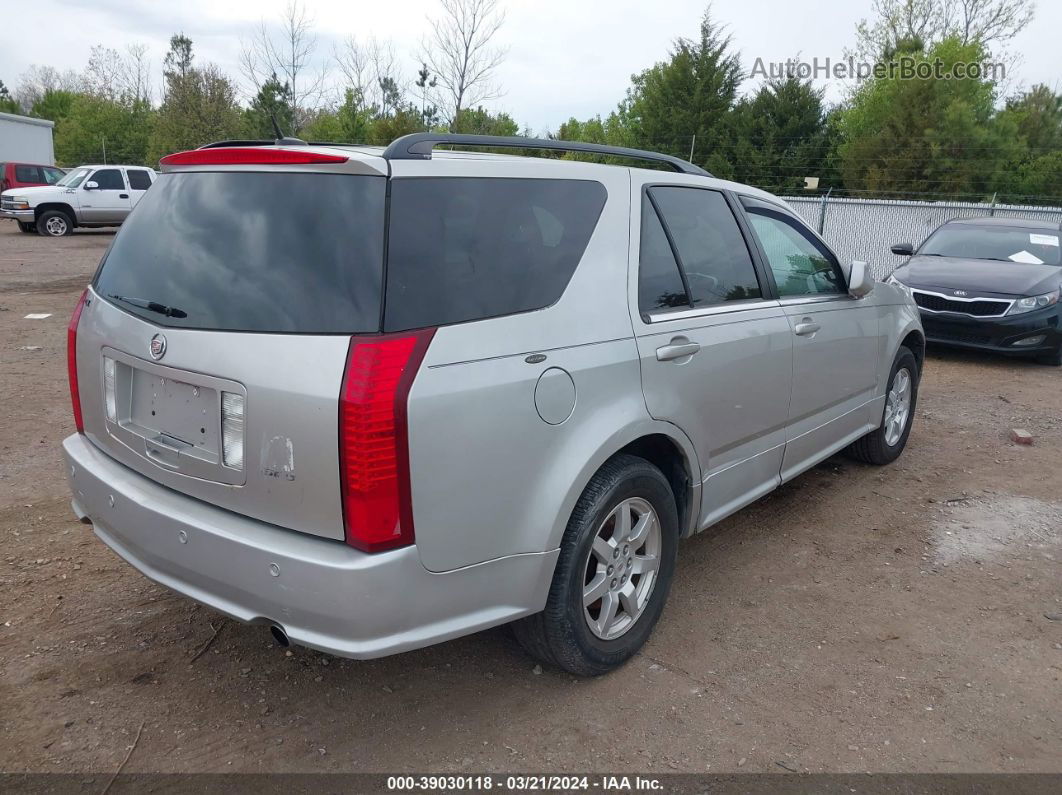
88 196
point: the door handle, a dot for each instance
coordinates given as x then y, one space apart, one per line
123 195
806 327
680 348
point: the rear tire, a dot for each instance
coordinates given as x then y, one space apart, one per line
55 223
884 444
24 227
621 542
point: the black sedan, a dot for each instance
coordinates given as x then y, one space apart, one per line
989 283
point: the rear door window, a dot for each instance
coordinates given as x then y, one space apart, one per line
462 249
239 251
138 179
660 285
707 243
27 174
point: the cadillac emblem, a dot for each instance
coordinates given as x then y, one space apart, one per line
157 347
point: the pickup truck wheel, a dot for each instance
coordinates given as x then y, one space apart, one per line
616 562
54 223
24 227
884 444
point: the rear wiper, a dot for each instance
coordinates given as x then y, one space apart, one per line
151 306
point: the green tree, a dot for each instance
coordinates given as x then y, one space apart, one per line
102 130
403 121
690 94
780 136
347 123
1038 116
273 101
199 104
7 102
478 121
930 135
1035 172
55 105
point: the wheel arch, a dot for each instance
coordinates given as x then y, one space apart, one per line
662 444
40 209
915 341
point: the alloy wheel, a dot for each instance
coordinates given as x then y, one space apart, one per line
898 406
621 568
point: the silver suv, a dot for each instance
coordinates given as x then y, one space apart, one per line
374 399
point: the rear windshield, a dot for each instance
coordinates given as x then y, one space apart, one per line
267 252
290 252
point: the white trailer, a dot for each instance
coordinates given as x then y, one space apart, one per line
26 140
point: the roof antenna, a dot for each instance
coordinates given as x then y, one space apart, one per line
280 137
276 127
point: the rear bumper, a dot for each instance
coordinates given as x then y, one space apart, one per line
323 593
997 334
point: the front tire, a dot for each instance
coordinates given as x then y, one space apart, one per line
1052 359
617 559
55 223
884 444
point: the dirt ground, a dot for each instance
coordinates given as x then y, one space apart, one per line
857 619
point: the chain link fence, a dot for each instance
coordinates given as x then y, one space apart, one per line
865 229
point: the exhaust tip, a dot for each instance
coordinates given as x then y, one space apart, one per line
279 635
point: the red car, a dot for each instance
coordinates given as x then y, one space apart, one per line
25 175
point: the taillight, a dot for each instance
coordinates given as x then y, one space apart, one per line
374 440
71 362
238 156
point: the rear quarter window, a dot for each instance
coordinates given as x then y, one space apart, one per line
462 249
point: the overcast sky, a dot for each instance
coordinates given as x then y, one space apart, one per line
565 57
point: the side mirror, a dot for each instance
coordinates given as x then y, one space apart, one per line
903 249
859 280
92 185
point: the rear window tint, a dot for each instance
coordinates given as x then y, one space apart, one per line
270 252
463 249
138 179
27 174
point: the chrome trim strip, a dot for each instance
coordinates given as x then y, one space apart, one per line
819 298
1009 303
725 308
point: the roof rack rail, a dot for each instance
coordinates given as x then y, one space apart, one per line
418 146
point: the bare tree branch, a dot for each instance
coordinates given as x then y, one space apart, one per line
288 54
991 23
371 70
459 53
136 74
